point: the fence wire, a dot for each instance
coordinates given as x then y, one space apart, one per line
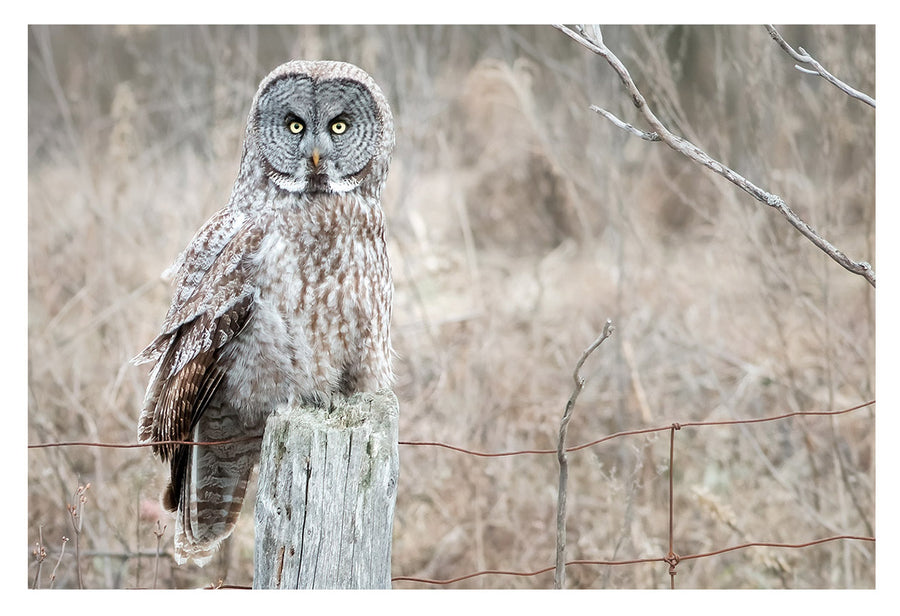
672 558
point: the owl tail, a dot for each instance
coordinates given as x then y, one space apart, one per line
208 484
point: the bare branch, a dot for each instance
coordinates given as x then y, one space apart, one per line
688 149
626 126
76 515
40 553
800 55
159 532
559 578
62 551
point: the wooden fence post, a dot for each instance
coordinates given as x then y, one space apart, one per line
327 488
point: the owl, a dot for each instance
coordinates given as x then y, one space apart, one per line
283 297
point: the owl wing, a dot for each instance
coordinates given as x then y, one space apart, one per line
213 302
195 272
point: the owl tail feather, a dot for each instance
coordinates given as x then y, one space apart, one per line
207 488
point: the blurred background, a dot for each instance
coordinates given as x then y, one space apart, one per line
518 222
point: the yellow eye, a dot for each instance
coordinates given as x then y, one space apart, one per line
338 127
295 126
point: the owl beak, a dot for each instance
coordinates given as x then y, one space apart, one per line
315 157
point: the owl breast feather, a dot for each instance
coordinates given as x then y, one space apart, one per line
319 326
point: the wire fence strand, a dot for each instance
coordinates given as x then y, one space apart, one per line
471 452
672 559
634 561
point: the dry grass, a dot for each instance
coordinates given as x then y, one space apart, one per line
519 222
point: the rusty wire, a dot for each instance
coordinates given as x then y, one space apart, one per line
635 561
609 437
672 559
480 454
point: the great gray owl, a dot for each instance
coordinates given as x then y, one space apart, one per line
284 296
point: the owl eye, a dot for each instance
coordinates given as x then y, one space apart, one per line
338 127
295 126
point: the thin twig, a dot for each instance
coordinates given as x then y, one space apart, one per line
626 126
40 553
688 149
62 550
559 578
76 513
159 532
801 55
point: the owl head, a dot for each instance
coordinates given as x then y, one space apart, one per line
321 127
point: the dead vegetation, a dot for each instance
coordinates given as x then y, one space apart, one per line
519 222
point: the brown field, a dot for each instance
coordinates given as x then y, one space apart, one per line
519 221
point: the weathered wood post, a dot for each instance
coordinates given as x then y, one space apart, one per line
327 488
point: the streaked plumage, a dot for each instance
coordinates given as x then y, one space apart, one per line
283 296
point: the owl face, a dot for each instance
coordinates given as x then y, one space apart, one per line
319 133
